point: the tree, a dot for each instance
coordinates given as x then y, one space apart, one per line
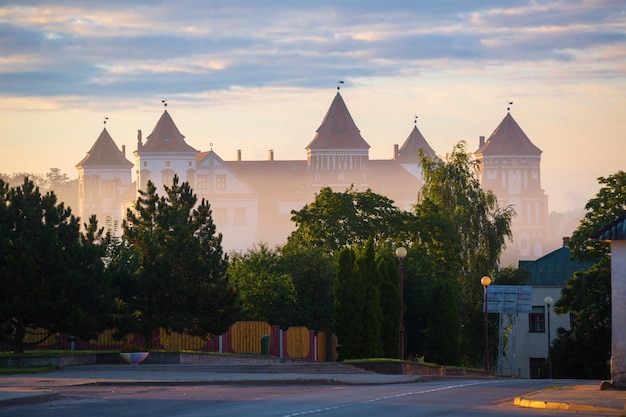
584 350
266 293
312 272
365 271
179 281
443 337
334 220
387 270
51 275
349 306
476 229
513 276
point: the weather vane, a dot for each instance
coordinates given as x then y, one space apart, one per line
164 103
415 120
508 109
338 86
105 121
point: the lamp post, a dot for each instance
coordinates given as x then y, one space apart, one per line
548 300
485 282
401 254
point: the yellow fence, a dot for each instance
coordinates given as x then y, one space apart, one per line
242 337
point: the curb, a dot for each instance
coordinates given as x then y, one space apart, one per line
552 405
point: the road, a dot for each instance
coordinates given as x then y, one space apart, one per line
435 398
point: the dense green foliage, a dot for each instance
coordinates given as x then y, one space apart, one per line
584 350
312 272
459 236
366 272
51 275
335 220
170 269
266 293
387 269
349 307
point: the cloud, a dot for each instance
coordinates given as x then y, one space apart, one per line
139 47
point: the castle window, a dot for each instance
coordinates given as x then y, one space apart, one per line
167 163
240 216
220 182
203 182
167 176
219 216
107 188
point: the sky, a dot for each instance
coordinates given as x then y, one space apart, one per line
255 75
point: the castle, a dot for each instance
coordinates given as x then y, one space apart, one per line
252 200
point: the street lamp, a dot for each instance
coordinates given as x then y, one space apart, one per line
485 282
401 254
548 300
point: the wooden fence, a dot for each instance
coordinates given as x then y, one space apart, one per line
242 337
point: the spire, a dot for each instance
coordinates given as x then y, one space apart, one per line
508 139
166 137
409 151
104 153
338 130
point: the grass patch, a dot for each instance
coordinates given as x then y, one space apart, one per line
390 360
12 370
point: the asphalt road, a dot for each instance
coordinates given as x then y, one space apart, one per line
435 398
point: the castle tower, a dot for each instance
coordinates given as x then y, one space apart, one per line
408 155
509 165
338 154
164 154
104 176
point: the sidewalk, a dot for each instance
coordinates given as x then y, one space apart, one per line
585 398
31 388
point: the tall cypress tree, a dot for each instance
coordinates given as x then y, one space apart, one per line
389 303
372 313
349 306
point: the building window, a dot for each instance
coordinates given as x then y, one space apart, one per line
220 182
202 182
167 163
240 216
219 216
107 188
168 177
537 320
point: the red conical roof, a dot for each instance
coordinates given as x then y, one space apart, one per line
166 137
338 130
410 149
508 139
104 153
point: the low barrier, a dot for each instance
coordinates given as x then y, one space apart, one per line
245 337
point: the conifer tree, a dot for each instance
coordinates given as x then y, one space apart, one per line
179 281
389 303
365 268
51 275
349 306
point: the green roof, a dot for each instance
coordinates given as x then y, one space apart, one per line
614 231
554 268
